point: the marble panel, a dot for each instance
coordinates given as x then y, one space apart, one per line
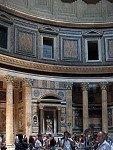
25 41
109 48
70 48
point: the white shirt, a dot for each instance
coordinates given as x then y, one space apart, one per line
38 144
104 146
67 144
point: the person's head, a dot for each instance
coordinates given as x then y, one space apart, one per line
88 132
106 134
40 137
31 139
66 134
100 137
20 137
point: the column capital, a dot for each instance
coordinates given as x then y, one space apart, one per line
9 79
84 86
41 106
69 86
103 85
27 82
59 107
16 84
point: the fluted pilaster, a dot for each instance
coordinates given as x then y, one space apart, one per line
69 106
59 119
27 106
85 105
41 117
16 100
103 86
9 111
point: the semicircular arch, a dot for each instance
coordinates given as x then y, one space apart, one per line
50 96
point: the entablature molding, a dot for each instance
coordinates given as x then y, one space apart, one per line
85 70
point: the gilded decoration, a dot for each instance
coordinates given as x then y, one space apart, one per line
52 68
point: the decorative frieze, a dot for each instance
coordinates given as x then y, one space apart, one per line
55 68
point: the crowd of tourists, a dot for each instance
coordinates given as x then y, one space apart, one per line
86 141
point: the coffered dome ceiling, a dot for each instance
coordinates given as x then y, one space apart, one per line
62 11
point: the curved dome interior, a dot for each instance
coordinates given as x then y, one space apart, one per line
62 10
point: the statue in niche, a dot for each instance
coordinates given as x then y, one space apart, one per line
49 126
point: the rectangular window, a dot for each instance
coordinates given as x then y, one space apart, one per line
3 37
48 48
93 50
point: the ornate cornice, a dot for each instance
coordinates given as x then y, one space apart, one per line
7 60
60 23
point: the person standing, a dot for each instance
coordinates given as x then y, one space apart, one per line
103 144
66 142
21 145
39 142
52 144
88 139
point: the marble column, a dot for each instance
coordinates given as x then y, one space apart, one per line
27 123
85 105
59 119
103 86
69 106
41 117
9 113
16 100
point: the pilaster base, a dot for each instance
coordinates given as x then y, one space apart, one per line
10 147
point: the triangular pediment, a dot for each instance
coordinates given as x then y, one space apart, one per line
92 33
4 17
48 30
